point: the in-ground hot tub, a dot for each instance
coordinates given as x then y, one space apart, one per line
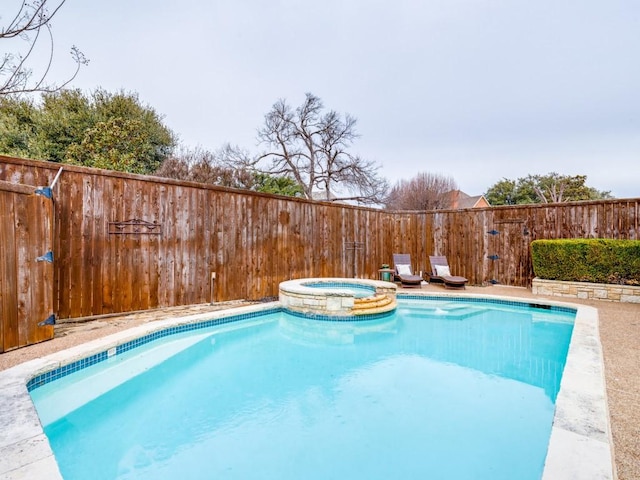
338 298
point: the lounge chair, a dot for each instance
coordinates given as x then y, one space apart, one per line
441 273
403 271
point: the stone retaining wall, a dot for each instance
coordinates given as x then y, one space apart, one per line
586 291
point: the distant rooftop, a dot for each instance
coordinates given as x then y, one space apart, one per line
459 200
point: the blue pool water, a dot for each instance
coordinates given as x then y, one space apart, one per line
358 291
436 390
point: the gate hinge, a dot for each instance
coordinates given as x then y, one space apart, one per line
48 191
45 192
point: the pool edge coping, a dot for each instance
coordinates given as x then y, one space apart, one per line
580 446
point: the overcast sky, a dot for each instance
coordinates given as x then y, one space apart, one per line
478 90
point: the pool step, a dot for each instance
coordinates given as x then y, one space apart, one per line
450 310
378 303
53 404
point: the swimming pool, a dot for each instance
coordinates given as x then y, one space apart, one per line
406 398
579 446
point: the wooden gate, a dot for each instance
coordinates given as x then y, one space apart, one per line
509 255
26 265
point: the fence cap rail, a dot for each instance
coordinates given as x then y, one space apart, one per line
16 188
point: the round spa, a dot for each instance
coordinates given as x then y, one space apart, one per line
338 298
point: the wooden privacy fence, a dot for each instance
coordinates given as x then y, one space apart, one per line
129 242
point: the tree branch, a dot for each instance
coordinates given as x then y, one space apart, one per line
30 19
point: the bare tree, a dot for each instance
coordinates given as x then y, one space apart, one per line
31 22
555 193
312 148
425 191
198 165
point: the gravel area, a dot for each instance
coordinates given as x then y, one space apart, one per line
619 334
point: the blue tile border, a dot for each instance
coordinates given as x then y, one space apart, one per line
338 318
50 376
65 370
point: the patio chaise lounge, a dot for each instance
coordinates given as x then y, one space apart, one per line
403 271
441 273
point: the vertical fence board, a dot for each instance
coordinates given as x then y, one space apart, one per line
96 247
198 257
217 241
135 248
8 272
163 261
75 289
107 254
89 210
25 257
35 246
62 236
6 228
44 306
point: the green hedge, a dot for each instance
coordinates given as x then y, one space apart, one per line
595 260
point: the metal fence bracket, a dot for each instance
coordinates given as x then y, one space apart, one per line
50 320
45 192
47 257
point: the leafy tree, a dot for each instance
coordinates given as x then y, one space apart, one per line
507 192
17 126
312 148
21 31
425 191
554 188
104 130
62 120
116 144
550 188
277 185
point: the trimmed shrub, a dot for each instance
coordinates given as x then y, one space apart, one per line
596 260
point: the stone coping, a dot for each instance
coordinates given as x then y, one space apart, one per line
300 286
580 446
586 290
